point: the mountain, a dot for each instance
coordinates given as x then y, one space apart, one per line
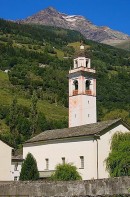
51 17
123 45
38 59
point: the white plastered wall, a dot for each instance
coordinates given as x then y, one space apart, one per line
5 162
16 172
71 150
82 62
82 110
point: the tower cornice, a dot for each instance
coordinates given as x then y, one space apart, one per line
84 69
81 73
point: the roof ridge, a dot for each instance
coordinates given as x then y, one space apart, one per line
79 131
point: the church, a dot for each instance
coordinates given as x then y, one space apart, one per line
86 143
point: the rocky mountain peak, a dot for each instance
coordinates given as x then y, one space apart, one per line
51 17
50 10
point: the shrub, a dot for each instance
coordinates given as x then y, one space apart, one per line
66 172
118 161
29 169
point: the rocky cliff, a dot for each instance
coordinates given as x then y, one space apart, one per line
51 17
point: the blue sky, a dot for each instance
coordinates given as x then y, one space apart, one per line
112 13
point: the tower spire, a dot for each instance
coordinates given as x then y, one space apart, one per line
82 91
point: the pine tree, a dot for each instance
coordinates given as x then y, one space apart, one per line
13 116
29 169
33 114
12 121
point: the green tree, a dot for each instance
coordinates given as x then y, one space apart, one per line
13 115
118 161
29 169
66 172
33 114
117 113
23 125
42 123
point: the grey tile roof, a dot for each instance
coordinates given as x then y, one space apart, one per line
17 158
85 130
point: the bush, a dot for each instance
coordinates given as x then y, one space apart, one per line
118 161
66 172
29 169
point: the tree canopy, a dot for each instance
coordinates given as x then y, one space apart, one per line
66 172
29 169
118 161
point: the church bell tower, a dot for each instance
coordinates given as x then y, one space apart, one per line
82 92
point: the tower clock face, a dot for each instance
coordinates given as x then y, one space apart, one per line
74 103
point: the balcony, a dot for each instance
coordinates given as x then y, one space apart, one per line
46 173
89 92
75 92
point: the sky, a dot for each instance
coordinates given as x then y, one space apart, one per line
112 13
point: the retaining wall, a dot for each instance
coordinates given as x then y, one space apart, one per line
101 187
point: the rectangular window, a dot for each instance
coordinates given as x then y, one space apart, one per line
47 164
15 178
16 167
82 162
63 160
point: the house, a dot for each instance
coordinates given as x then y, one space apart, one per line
10 165
86 143
6 71
16 165
5 161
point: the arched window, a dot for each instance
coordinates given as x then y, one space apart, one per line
88 84
86 63
76 84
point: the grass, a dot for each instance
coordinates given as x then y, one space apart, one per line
4 79
7 93
124 45
60 54
111 73
76 45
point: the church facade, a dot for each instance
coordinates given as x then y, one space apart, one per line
86 143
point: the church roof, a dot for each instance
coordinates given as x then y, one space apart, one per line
79 131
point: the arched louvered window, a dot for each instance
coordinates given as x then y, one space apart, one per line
76 84
88 84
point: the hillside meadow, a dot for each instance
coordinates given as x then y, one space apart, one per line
38 59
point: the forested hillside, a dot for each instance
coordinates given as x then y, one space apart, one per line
38 59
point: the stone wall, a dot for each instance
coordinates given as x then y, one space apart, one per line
103 187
